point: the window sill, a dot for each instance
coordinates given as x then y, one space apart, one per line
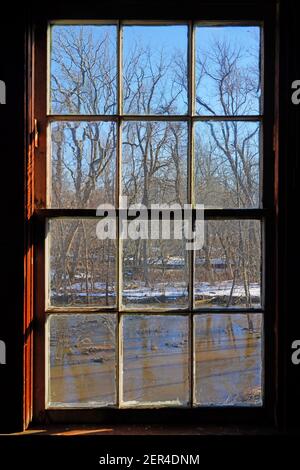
147 430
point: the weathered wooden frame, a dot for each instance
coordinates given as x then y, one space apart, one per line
41 213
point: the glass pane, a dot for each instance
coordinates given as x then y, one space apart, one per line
155 360
228 77
82 267
83 69
227 164
155 274
228 267
82 361
154 162
155 69
83 164
228 360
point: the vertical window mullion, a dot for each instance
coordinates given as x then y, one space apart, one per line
118 198
191 198
120 68
191 69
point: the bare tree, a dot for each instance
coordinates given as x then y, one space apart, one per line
154 154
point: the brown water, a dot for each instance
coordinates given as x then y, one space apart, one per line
156 366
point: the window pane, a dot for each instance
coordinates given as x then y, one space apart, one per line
227 164
83 164
155 360
228 268
83 69
82 267
155 274
228 360
82 360
155 69
228 80
154 162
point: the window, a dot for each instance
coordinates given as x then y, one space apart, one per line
160 113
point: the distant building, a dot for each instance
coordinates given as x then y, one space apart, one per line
218 264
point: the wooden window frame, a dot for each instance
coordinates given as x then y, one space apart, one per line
35 409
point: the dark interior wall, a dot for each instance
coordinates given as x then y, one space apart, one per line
12 217
289 323
12 60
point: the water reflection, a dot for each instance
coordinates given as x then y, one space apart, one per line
156 361
82 360
228 351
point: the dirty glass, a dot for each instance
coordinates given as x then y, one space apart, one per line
82 360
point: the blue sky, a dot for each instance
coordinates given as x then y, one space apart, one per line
173 39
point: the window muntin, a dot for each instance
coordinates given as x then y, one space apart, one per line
117 121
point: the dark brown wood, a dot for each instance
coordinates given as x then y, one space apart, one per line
202 416
255 214
286 186
39 113
180 311
264 214
29 244
40 172
150 117
269 223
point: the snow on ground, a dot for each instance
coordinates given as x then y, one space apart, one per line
223 289
138 290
